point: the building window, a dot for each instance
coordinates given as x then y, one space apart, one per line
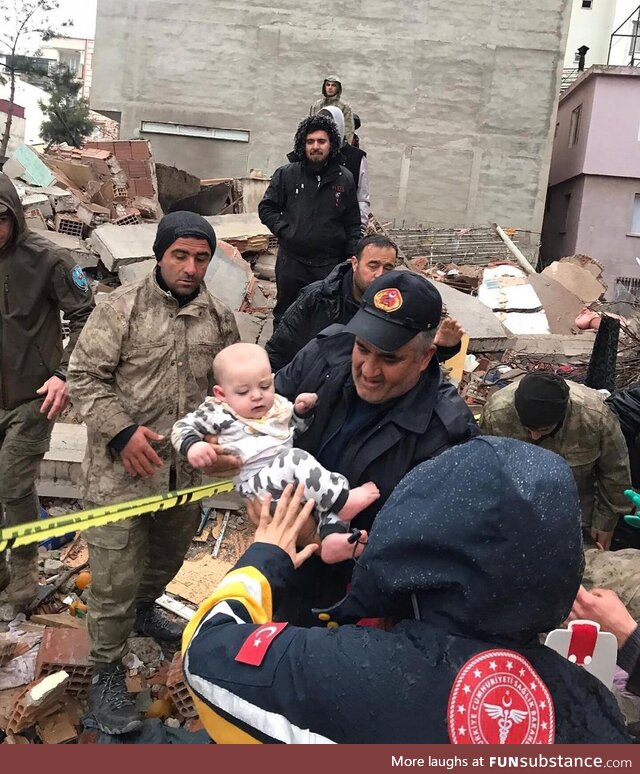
587 4
205 132
556 131
71 59
574 130
629 284
635 219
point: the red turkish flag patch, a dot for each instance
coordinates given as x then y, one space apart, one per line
499 698
255 647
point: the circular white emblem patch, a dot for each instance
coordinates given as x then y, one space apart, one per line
499 698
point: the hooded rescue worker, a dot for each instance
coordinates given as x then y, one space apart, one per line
475 553
332 95
311 206
37 281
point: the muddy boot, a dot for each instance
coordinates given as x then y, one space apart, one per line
111 705
151 622
23 586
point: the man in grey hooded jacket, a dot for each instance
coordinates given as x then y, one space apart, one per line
332 95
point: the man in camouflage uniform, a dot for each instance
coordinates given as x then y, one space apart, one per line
37 282
144 360
574 422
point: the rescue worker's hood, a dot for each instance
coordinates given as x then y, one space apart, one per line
324 88
9 198
483 541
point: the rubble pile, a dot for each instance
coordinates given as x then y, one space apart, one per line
44 667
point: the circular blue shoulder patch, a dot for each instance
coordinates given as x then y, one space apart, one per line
79 278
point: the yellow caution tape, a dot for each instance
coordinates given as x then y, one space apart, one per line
42 529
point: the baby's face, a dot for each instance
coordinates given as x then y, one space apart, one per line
248 388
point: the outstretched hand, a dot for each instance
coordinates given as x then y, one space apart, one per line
287 523
449 333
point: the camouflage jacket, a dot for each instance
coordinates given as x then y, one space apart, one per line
143 360
590 440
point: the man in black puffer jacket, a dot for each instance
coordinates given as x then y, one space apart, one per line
474 555
311 206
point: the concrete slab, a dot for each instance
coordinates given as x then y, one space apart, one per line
229 276
25 164
246 231
250 327
486 333
133 272
576 280
266 333
578 346
85 258
121 245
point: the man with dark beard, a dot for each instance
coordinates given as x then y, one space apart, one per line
312 207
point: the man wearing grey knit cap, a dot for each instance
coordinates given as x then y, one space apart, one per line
144 360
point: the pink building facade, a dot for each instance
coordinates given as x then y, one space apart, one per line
593 200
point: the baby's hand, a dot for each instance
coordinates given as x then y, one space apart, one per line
305 402
201 455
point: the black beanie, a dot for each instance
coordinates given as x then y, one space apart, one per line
182 224
541 400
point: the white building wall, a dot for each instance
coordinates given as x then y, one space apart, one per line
28 96
594 26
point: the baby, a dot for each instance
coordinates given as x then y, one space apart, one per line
253 422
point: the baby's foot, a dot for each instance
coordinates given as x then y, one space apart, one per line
337 548
359 498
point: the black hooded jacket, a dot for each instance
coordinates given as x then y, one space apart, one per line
420 424
315 215
486 541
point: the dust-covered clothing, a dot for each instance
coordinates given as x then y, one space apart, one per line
269 462
141 360
590 440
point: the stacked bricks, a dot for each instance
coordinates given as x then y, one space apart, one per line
133 158
66 649
178 691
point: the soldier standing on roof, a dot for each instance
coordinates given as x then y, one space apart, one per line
332 96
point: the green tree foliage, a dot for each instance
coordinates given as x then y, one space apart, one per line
67 113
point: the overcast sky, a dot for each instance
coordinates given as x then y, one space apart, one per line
83 15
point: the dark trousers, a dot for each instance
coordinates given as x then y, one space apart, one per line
291 277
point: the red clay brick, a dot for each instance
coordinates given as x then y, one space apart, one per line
122 149
143 187
138 169
140 150
178 690
66 649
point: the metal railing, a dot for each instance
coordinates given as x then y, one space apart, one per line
633 36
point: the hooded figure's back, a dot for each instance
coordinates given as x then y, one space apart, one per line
478 551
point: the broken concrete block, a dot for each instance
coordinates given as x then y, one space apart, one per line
120 245
52 566
25 164
37 201
37 701
57 729
245 231
265 267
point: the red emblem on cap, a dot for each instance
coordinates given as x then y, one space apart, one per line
388 300
255 647
498 698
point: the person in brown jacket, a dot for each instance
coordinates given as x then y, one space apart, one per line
144 359
37 281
